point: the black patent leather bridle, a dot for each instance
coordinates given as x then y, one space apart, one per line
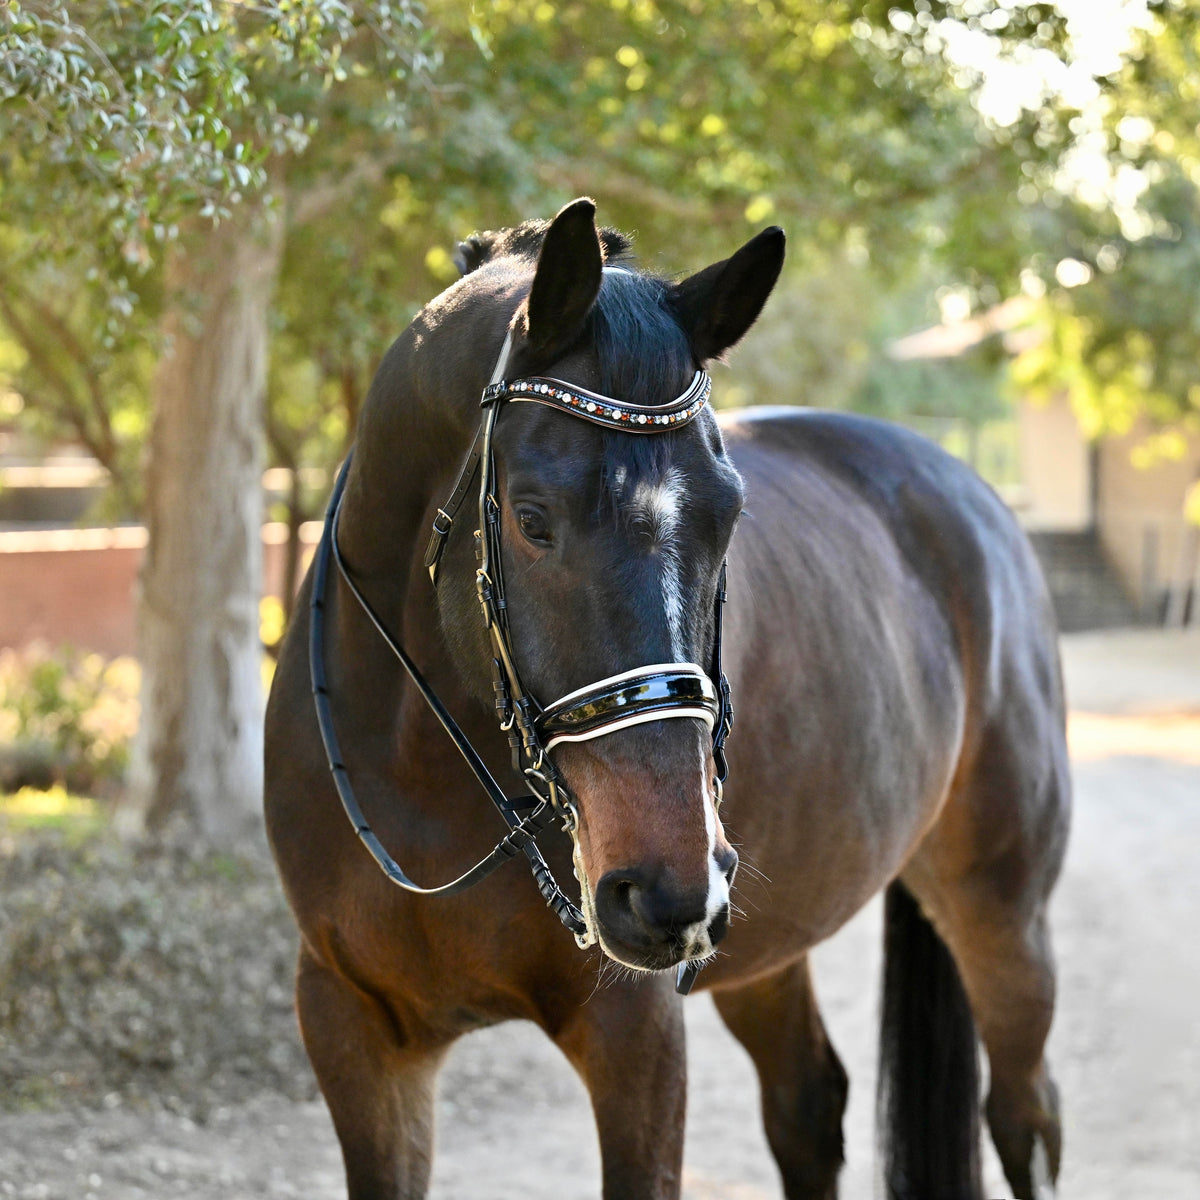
649 693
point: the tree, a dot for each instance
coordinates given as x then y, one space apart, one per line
78 377
1121 258
162 125
1123 340
621 113
846 121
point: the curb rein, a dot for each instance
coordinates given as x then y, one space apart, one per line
644 694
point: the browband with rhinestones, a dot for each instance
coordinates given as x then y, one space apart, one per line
603 410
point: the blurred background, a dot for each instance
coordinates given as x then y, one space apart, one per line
215 216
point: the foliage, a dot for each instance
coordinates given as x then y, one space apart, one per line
51 808
71 373
693 124
1125 344
835 305
155 974
1121 259
384 131
687 119
150 113
1153 96
65 718
846 120
127 125
972 387
849 318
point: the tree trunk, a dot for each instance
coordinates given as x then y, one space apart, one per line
198 753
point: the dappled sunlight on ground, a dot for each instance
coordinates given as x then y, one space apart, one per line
1174 736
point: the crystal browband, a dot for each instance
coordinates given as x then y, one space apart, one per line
651 693
603 410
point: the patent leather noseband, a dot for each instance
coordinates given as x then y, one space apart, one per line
647 693
631 698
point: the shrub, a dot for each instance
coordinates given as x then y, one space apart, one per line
66 718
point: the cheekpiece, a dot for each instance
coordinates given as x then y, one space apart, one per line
604 410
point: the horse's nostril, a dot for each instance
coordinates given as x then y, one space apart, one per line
646 911
727 863
617 898
657 909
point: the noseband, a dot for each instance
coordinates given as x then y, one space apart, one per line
649 693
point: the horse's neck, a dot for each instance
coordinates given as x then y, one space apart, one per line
391 496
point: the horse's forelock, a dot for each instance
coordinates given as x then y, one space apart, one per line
643 354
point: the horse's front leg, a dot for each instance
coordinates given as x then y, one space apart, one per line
378 1080
627 1043
803 1082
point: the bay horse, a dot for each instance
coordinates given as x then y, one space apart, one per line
538 443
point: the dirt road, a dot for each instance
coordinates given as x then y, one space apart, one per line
1125 1048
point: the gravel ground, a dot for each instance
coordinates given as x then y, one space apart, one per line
1125 1048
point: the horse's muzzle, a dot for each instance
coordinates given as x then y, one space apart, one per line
649 922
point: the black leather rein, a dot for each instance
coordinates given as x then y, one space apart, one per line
647 693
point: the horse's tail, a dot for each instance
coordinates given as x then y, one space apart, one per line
928 1101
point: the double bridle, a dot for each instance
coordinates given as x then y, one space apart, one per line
648 693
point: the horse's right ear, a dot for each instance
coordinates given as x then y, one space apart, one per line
566 283
717 305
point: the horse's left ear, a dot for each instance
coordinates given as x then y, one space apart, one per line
717 305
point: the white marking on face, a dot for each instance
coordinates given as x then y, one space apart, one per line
696 940
658 505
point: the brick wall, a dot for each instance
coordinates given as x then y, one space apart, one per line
77 586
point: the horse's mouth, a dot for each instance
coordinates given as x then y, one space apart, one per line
652 955
645 923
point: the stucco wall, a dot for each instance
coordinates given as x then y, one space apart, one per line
1140 513
1055 475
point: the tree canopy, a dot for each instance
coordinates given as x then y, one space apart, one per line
386 131
1123 266
127 128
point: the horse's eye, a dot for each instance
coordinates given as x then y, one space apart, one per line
533 524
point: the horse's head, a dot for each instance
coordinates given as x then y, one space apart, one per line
611 545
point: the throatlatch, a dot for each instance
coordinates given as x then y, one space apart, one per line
648 693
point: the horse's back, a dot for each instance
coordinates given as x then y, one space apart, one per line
945 526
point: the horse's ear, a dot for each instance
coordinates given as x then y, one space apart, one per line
566 282
717 305
474 252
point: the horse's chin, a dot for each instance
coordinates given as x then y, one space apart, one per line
649 961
